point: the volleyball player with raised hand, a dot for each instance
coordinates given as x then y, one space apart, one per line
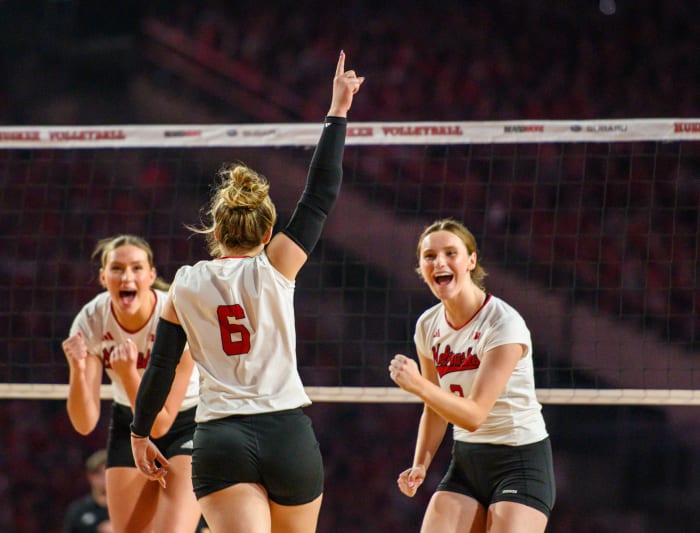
257 465
476 372
114 332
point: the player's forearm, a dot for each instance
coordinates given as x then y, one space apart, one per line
322 186
151 398
178 391
457 410
131 383
164 419
82 406
163 422
159 376
431 431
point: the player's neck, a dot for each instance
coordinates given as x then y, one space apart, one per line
464 306
244 252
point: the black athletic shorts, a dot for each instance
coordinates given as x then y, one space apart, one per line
177 441
493 473
276 450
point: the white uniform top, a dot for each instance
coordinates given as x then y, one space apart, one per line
102 332
516 418
238 313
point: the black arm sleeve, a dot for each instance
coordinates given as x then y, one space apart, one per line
322 186
159 375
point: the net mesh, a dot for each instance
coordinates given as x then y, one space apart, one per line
590 229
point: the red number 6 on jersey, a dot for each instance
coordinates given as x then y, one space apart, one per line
231 331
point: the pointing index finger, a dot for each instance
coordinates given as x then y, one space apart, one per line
340 68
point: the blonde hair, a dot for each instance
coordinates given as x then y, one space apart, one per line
240 210
109 244
96 460
466 236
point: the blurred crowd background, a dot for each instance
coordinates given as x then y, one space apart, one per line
78 62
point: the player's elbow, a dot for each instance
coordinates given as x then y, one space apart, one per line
472 425
473 421
81 424
83 429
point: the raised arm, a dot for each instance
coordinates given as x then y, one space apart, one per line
290 248
346 83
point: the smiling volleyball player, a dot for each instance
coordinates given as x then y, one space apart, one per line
115 332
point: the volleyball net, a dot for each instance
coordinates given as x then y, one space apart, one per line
589 228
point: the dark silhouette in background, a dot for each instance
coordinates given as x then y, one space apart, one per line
89 514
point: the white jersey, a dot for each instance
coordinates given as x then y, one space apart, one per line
102 332
516 418
238 313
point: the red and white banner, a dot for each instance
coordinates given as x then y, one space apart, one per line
359 133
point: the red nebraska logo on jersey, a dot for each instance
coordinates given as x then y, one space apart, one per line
141 361
448 361
107 348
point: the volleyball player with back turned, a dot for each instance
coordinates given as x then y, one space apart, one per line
476 372
256 465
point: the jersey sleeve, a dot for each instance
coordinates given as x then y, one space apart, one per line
510 328
420 338
88 325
